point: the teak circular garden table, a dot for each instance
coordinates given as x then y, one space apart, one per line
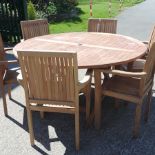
94 50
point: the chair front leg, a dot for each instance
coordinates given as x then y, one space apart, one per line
137 120
77 130
9 91
88 100
42 114
117 103
3 97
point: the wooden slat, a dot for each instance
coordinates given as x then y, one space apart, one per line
48 102
53 109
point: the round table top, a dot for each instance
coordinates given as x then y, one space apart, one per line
94 50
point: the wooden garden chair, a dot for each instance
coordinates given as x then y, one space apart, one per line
50 81
7 76
34 28
102 25
133 86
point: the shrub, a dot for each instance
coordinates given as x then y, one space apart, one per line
55 9
31 11
46 10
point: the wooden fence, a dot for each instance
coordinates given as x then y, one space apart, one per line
11 13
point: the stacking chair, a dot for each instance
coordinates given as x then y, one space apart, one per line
50 81
133 87
138 65
102 25
7 76
34 28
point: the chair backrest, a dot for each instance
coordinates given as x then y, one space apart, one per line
2 52
34 28
149 67
152 38
2 57
50 77
102 25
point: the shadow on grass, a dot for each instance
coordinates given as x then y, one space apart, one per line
74 17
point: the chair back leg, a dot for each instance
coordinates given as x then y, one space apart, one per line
148 105
30 125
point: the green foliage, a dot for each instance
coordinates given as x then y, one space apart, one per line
65 6
100 10
31 11
55 10
46 11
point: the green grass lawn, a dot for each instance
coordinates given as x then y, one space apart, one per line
100 10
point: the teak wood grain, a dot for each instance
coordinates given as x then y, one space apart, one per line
7 76
133 87
138 65
34 28
102 25
50 81
94 50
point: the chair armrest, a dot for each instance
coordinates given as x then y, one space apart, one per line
8 62
8 48
125 73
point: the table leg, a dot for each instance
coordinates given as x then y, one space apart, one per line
97 110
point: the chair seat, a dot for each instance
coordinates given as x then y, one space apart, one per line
122 85
138 65
11 75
